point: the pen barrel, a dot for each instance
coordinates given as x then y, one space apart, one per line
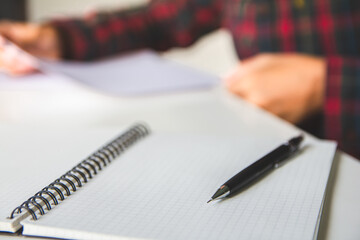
259 168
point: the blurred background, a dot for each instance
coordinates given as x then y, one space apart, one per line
53 102
37 10
214 53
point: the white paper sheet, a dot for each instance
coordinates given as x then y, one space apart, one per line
159 189
138 73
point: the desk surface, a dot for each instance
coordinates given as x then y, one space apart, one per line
207 111
67 105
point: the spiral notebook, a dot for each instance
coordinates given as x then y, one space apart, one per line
155 186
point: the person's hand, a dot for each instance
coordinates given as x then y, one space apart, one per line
291 86
38 40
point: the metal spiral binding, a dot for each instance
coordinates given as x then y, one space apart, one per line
68 183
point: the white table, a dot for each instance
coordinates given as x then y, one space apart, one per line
68 105
207 111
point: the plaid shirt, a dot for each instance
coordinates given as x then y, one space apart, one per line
327 28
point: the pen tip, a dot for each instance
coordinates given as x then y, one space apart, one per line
209 201
296 140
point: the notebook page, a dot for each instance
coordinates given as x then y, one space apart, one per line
33 158
159 190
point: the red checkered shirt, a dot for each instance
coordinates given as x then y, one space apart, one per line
327 28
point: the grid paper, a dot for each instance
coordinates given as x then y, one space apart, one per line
31 161
159 189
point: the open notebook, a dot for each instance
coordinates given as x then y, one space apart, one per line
158 187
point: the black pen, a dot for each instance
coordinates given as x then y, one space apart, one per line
258 169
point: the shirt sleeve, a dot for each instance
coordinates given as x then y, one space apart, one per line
342 103
159 25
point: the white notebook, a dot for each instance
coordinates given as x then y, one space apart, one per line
159 185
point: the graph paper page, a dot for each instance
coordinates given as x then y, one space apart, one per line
31 159
159 189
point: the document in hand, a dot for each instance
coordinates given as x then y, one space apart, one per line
138 73
143 72
158 187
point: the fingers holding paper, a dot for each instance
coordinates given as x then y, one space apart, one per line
20 42
13 61
290 86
